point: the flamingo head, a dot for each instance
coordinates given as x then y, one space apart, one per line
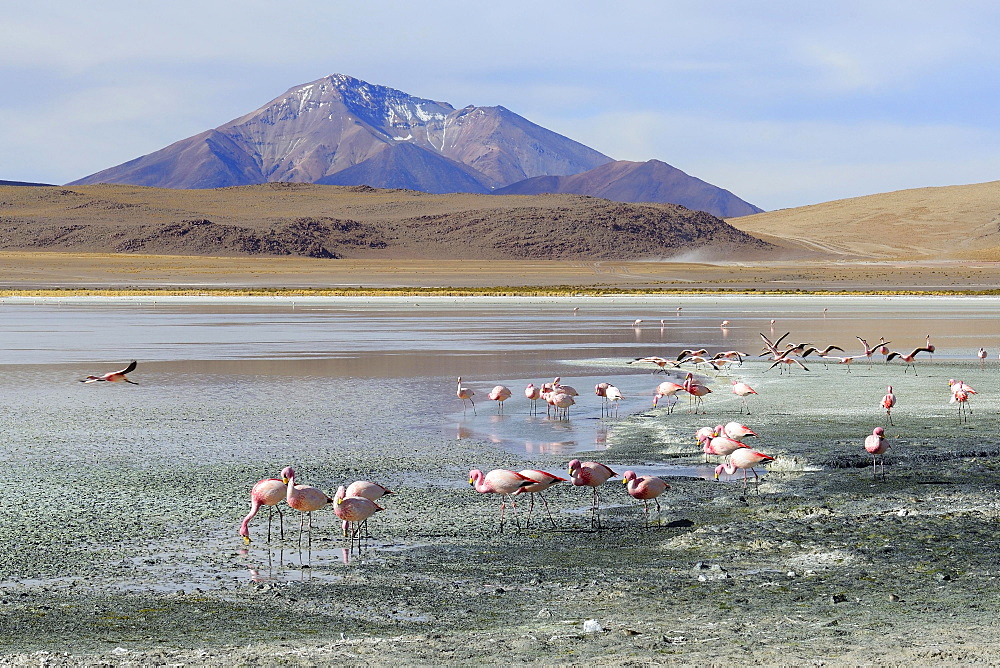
878 431
474 475
287 473
574 466
629 476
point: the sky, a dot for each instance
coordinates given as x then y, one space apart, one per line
784 103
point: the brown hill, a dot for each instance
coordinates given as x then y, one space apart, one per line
919 224
356 222
650 181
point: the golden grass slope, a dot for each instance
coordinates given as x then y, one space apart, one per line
949 222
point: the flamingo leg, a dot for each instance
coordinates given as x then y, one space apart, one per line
281 523
547 508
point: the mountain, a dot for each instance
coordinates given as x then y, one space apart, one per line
319 129
343 131
22 183
651 181
933 224
357 222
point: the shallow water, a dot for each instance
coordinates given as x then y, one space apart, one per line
237 387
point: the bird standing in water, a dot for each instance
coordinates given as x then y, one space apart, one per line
464 393
876 445
267 492
888 401
304 499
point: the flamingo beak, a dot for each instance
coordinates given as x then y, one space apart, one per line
246 540
284 481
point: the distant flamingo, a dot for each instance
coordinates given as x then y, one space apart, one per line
304 499
614 395
543 480
742 390
267 492
533 394
697 391
561 401
869 351
464 393
669 390
593 475
876 445
499 394
353 510
502 482
645 488
982 357
113 376
960 394
883 347
927 344
724 324
658 361
908 359
888 401
743 458
841 360
637 322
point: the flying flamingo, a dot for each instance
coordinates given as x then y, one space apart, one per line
304 499
645 488
658 361
267 492
888 401
876 445
742 390
533 394
499 394
614 395
502 482
908 359
697 391
743 458
869 351
113 376
464 393
593 475
543 480
669 390
353 510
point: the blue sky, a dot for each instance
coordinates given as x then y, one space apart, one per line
783 103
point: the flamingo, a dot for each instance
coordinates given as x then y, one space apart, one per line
464 393
533 394
721 445
658 361
736 431
645 488
499 394
637 322
565 389
543 480
842 360
743 458
908 359
561 401
876 445
367 489
113 376
869 351
304 499
928 345
353 510
982 357
888 401
742 390
667 389
593 475
267 492
724 324
614 395
883 347
733 355
696 353
601 390
960 394
502 482
696 390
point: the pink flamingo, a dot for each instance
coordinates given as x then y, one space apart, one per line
113 376
841 360
908 359
565 389
960 394
888 401
304 499
697 391
645 488
721 445
368 490
883 347
658 361
614 395
742 390
543 480
743 458
499 394
982 357
267 492
736 431
869 351
876 445
533 394
502 482
593 475
464 393
601 390
353 510
562 402
669 390
927 344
